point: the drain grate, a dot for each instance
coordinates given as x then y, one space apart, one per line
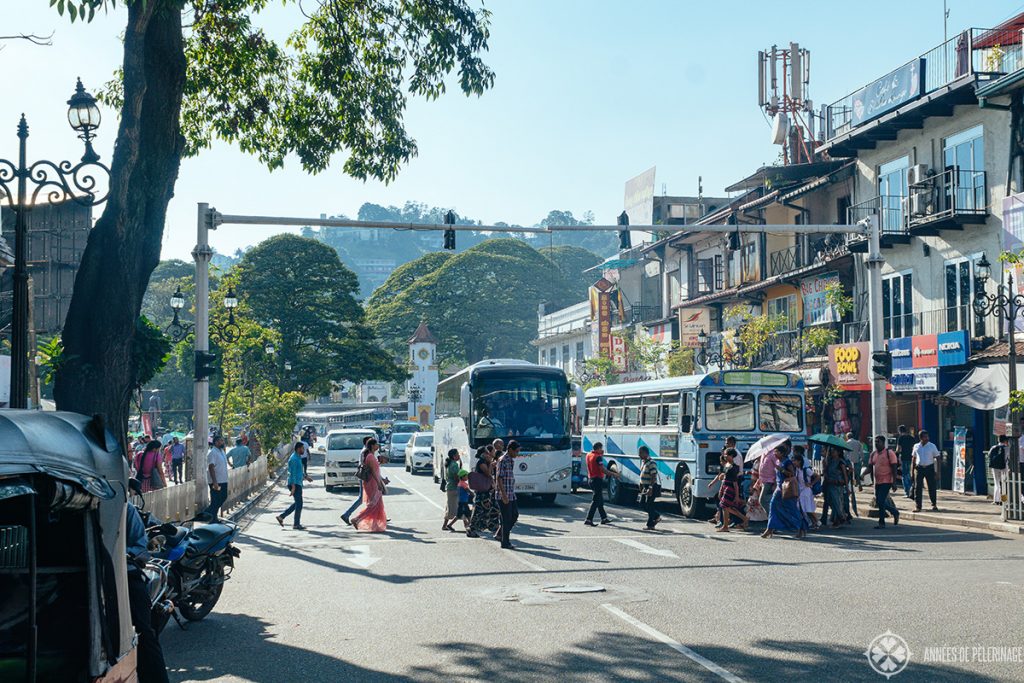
573 588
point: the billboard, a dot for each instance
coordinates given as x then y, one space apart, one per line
639 199
848 365
601 315
813 291
691 322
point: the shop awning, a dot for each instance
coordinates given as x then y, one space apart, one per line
986 388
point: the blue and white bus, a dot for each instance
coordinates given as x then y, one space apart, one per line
684 421
510 399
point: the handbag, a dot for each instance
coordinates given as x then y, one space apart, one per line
790 489
156 480
444 484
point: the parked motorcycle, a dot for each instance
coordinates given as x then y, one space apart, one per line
199 560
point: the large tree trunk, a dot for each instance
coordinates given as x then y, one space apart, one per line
97 374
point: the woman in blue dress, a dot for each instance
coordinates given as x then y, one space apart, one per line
784 513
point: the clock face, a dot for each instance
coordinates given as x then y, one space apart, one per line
424 354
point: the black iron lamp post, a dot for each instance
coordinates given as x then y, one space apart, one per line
1004 305
57 182
705 356
226 334
178 330
415 394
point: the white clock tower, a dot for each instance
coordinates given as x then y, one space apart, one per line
422 387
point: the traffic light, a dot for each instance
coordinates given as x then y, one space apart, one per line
624 241
204 365
881 364
449 234
735 241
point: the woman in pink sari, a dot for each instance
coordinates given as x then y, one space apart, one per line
372 517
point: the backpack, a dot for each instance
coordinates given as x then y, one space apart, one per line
997 457
444 483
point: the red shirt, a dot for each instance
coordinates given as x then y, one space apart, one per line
595 465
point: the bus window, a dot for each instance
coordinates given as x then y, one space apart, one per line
780 413
591 413
632 411
615 416
651 409
670 409
688 412
729 412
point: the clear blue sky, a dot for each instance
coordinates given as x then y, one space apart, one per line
588 94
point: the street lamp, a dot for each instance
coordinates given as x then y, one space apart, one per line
227 334
415 394
704 356
178 330
62 181
1004 304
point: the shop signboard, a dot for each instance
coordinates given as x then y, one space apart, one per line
849 365
618 352
691 322
601 313
813 291
953 348
888 92
900 350
924 351
959 458
915 379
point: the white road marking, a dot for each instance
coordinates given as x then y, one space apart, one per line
644 548
361 556
675 645
418 493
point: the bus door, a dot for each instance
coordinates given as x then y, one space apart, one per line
686 445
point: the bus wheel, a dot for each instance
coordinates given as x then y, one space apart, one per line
689 504
616 491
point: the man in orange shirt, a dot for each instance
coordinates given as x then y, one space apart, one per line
597 471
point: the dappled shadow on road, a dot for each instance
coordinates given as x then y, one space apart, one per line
610 656
242 646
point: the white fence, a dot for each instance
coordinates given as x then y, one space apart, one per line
1013 507
178 503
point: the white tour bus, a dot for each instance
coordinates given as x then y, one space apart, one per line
509 399
684 421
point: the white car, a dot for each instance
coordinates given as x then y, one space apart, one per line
396 451
419 452
342 458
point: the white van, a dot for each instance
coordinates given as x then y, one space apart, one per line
342 459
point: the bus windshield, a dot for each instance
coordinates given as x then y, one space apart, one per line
780 413
528 408
729 412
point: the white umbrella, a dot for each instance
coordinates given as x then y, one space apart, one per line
762 446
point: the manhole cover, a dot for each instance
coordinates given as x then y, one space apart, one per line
573 588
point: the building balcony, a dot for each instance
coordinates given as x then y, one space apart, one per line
935 321
973 54
946 201
893 227
643 313
785 260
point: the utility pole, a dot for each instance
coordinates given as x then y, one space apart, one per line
879 409
201 388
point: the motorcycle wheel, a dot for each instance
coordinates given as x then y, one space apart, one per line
197 604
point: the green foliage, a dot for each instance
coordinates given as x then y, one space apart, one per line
836 297
572 261
680 361
480 304
753 332
150 351
299 289
600 371
51 355
815 340
644 353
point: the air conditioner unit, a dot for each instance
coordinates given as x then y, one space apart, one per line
916 174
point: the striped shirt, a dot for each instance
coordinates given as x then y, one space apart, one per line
648 473
507 476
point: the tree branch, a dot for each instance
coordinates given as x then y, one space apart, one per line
46 41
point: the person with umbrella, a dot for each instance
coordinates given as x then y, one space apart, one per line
765 450
784 508
834 474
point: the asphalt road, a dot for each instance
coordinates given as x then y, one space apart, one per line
680 604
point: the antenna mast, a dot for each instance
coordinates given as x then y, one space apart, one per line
783 87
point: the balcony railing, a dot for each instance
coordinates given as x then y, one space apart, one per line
890 215
974 51
935 321
644 313
784 260
954 194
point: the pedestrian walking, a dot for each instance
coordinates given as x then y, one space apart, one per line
884 464
370 447
240 455
506 484
149 468
177 460
806 478
217 466
730 503
834 476
784 507
596 472
481 482
925 454
766 475
464 512
855 455
452 467
296 475
372 517
650 487
997 461
905 449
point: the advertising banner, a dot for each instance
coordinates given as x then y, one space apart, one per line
900 350
604 324
959 458
915 379
639 199
850 365
691 322
812 291
925 351
618 353
953 348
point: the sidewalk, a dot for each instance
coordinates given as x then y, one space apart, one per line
956 509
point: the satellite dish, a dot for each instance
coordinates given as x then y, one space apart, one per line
780 128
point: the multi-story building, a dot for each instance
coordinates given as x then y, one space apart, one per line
564 337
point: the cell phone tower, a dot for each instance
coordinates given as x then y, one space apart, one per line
783 80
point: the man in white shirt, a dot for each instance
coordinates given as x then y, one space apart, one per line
218 473
924 457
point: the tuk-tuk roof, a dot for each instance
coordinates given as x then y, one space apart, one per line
63 445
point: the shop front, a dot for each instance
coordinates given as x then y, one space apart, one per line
849 406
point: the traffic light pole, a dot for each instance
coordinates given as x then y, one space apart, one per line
201 388
879 409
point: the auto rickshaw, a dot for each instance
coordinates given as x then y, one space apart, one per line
64 613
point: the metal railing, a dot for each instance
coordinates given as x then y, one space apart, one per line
785 260
973 51
178 503
952 193
889 209
643 313
1013 506
934 321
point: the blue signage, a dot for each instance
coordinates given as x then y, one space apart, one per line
899 348
888 92
953 348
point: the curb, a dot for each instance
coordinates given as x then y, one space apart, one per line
940 519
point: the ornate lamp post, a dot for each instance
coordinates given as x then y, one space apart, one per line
61 181
706 357
226 334
415 394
